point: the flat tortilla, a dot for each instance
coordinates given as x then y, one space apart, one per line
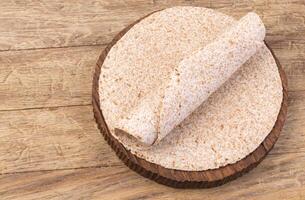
228 126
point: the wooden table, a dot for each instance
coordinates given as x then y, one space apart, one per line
50 147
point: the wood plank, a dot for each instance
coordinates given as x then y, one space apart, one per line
63 76
67 137
41 24
47 78
278 177
55 138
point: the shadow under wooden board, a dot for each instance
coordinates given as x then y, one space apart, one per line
180 178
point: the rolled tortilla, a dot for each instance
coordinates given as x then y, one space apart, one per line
194 79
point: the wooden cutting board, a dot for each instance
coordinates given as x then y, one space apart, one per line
50 147
181 178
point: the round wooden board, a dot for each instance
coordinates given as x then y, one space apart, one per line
180 178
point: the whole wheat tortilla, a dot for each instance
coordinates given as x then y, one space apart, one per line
193 80
228 126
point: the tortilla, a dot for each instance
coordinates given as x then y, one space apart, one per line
229 125
193 80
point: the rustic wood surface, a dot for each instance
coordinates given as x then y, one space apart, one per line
50 147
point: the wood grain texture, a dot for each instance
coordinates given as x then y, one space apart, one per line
33 24
277 177
49 139
42 24
47 78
